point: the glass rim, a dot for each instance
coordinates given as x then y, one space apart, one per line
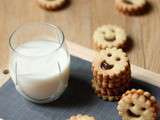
60 32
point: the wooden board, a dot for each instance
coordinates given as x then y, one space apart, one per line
79 19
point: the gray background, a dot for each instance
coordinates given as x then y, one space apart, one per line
78 98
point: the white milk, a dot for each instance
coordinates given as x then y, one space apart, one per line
38 71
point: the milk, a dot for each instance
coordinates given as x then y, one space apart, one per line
39 70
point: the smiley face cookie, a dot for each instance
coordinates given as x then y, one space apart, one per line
111 72
102 93
137 105
111 64
130 6
108 36
82 117
51 4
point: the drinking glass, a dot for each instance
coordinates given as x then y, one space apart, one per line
39 62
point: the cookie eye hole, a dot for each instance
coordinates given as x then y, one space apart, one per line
103 32
112 30
128 2
132 104
106 66
109 54
118 59
6 71
143 109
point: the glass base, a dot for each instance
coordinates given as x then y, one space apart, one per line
40 101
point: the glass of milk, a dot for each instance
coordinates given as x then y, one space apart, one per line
39 62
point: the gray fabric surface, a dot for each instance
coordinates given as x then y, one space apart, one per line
78 98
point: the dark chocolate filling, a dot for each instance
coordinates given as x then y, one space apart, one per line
106 66
130 113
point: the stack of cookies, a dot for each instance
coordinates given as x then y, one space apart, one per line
111 73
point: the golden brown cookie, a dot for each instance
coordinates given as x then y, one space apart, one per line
111 73
104 96
111 64
81 117
104 91
51 4
137 105
130 6
108 36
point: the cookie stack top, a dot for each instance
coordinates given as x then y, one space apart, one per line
110 62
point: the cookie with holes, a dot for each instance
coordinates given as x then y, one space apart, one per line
113 83
109 91
105 96
137 105
111 72
51 4
111 64
108 36
81 117
130 6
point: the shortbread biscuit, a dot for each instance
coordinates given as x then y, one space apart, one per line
137 105
111 73
113 83
130 6
105 96
51 4
104 91
108 36
111 64
81 117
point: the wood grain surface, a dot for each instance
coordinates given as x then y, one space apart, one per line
79 18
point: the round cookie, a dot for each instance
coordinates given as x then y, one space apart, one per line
111 73
104 97
113 83
137 105
81 117
51 4
111 64
130 6
108 36
104 91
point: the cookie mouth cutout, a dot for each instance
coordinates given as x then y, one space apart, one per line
110 39
131 114
106 66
